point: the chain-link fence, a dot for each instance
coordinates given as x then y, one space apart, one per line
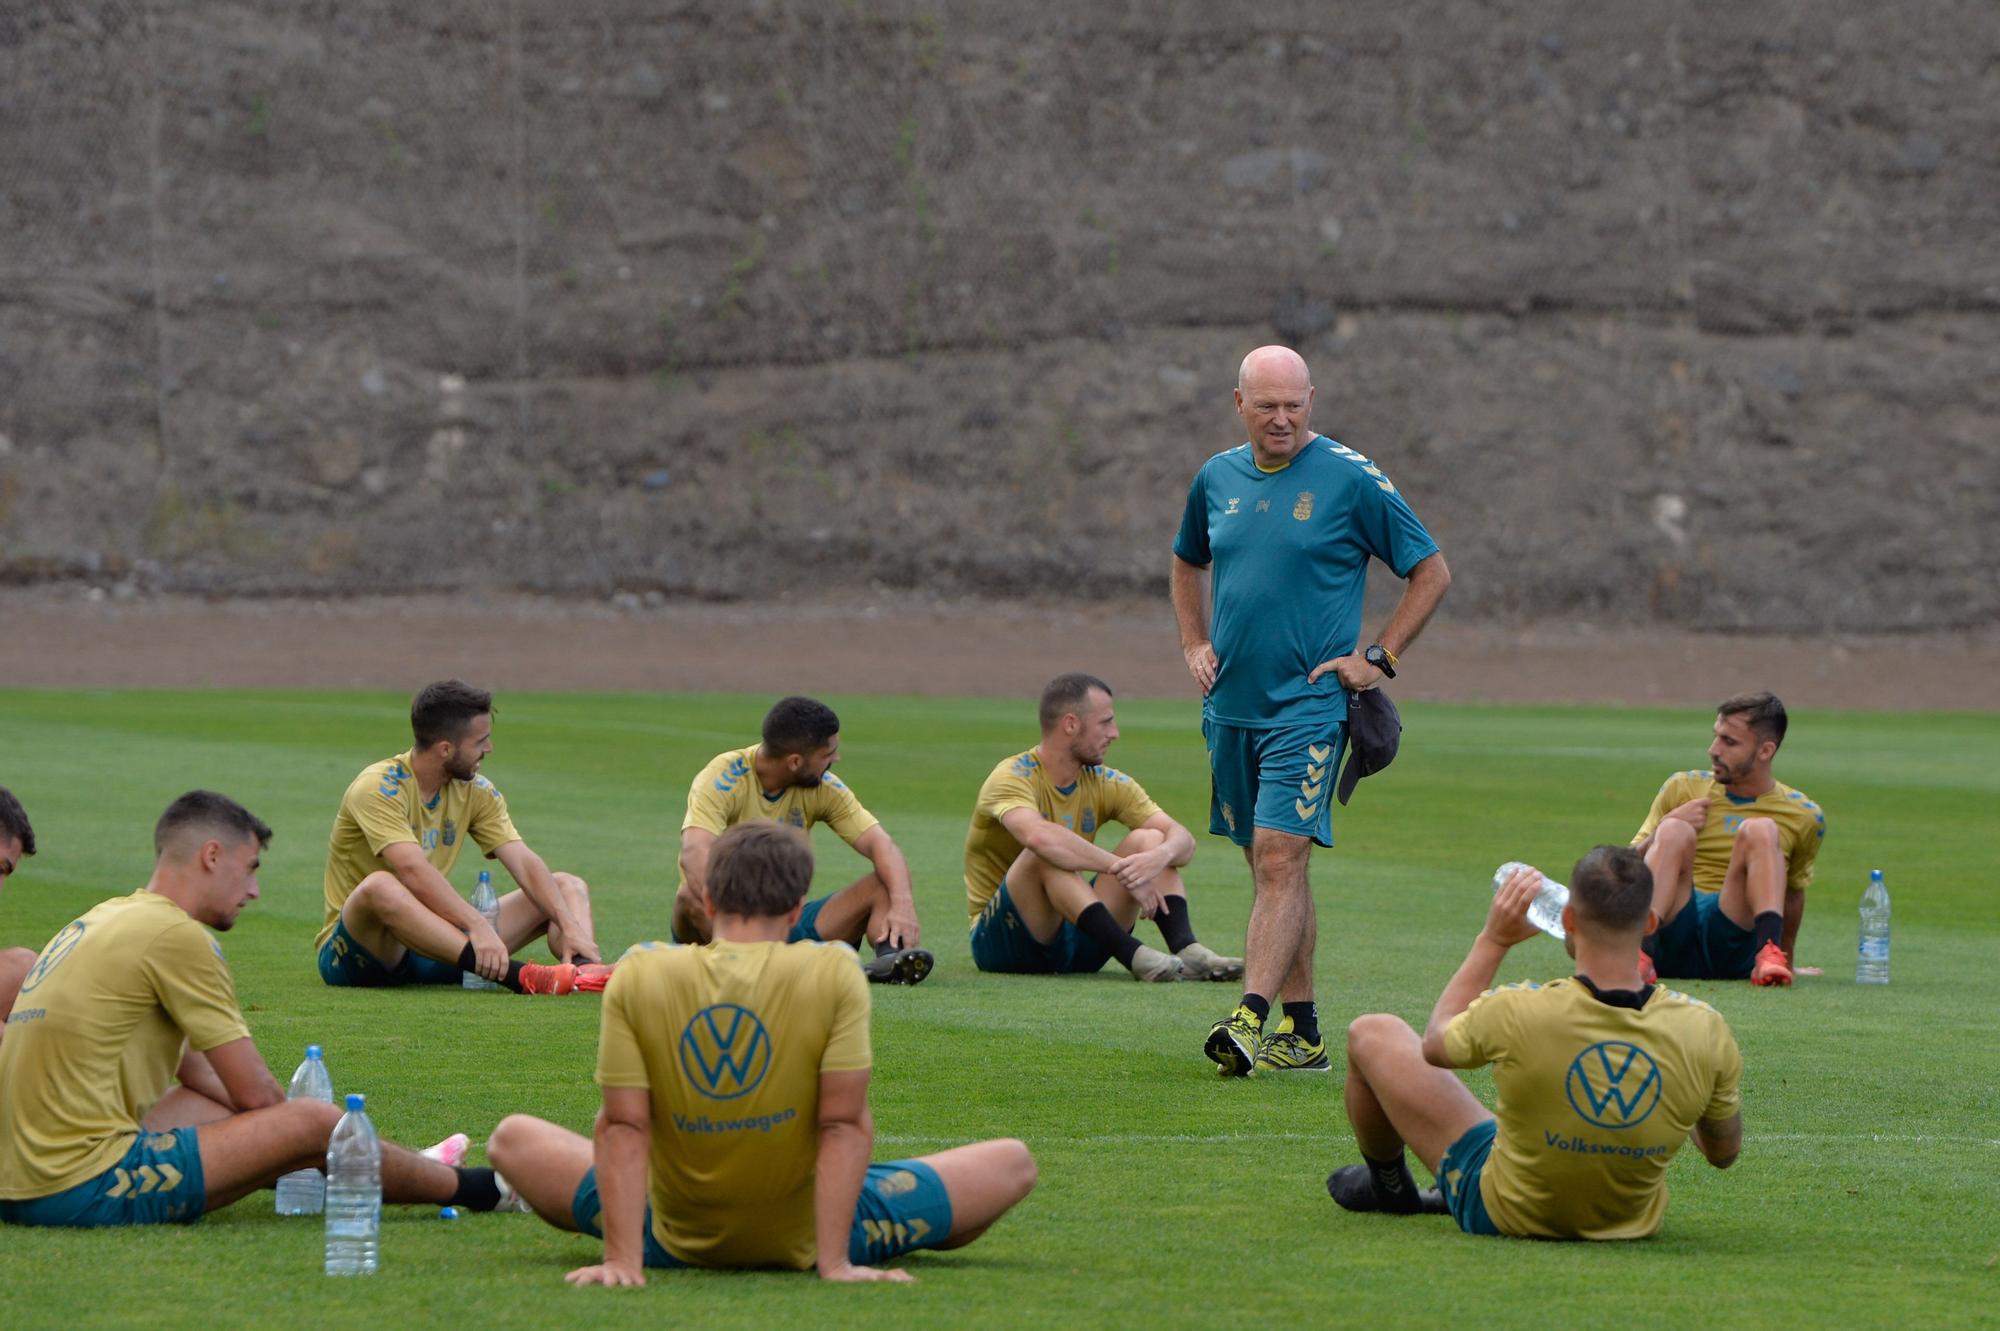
774 296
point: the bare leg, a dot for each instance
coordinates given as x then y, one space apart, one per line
1280 916
249 1151
1671 858
1394 1096
1756 879
522 921
544 1162
386 918
984 1181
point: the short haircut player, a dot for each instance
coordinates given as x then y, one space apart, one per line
1067 693
759 869
443 711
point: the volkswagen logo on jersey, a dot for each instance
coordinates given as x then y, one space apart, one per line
1613 1084
59 947
725 1051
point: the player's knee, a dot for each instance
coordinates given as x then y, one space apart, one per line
374 891
1757 834
1141 839
1370 1032
1017 1166
509 1138
574 888
1675 834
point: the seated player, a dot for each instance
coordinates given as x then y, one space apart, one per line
785 779
130 1091
1034 837
735 1129
17 840
392 917
1732 852
1599 1079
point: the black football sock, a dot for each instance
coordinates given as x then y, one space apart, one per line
1766 928
1175 928
468 961
1305 1020
1096 922
1258 1004
477 1190
1395 1186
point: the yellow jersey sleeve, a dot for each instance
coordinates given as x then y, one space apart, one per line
193 982
620 1062
836 806
487 817
847 1046
1805 851
377 804
1727 1098
1129 803
717 791
1482 1033
1011 786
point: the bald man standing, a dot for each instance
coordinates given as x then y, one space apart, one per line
1286 524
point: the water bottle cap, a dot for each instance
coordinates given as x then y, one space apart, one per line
356 1101
1874 873
312 1051
485 875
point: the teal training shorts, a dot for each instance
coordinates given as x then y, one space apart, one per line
903 1206
1280 779
1001 943
158 1182
1458 1175
1701 943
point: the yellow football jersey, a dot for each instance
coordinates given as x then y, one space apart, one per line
95 1038
731 1040
727 793
1593 1101
1101 795
1801 825
383 806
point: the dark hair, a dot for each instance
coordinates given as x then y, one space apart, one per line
759 868
444 709
799 725
1066 693
206 811
1762 712
1612 887
14 821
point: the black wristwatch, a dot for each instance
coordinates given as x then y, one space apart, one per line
1381 658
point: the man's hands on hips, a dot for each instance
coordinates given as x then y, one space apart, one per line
1202 663
1507 920
1355 674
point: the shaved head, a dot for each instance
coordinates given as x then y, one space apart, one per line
201 816
1274 365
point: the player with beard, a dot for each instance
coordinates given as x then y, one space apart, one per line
1034 837
1732 852
786 778
393 918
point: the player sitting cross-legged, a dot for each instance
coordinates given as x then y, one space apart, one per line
735 1129
787 778
1034 837
393 918
130 1091
1599 1079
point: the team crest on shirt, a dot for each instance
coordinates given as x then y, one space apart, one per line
896 1183
1303 509
450 832
1229 817
1234 505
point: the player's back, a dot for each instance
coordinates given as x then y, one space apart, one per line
1594 1099
731 1039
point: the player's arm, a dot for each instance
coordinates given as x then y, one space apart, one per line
1057 844
690 915
1506 924
197 1074
1720 1140
531 871
436 894
1422 592
240 1077
880 849
846 1136
1137 872
621 1143
1191 614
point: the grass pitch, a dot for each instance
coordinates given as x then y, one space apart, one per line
1865 1194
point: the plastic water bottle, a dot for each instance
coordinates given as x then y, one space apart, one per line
303 1191
1545 912
1872 967
487 904
353 1193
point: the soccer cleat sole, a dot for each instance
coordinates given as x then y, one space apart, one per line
905 966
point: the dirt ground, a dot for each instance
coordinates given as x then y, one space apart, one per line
77 638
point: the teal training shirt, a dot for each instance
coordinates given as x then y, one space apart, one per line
1290 551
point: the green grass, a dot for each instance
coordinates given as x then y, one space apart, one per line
1865 1191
